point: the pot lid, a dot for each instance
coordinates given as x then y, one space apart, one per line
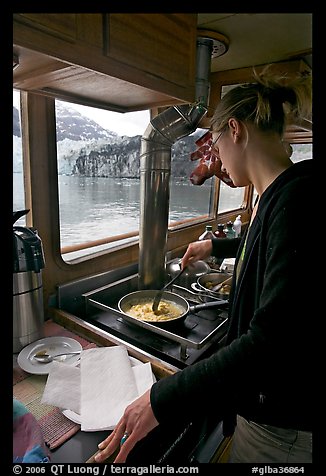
194 270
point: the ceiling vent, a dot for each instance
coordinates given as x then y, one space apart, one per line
220 42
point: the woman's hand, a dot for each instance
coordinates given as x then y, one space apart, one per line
137 421
196 251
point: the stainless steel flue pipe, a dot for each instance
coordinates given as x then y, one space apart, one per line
155 169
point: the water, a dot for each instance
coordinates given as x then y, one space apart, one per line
92 208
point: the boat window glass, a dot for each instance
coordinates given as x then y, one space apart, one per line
301 152
98 176
18 174
230 198
188 201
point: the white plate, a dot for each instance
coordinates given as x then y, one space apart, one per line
51 345
75 417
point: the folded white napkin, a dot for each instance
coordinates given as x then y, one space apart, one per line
62 387
101 389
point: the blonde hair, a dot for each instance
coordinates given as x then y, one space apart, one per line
266 103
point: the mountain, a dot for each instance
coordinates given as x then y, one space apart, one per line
74 126
71 125
87 149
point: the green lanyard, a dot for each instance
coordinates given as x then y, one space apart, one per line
241 257
245 243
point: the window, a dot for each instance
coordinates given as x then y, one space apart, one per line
98 162
188 201
99 184
98 177
301 152
230 198
18 175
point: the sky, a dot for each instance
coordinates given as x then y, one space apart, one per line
127 124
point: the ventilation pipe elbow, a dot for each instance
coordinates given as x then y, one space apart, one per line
155 168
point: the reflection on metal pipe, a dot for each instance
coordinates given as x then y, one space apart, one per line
204 54
155 169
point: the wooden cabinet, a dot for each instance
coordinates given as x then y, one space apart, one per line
118 61
160 45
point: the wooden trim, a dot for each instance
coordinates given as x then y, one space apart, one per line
103 241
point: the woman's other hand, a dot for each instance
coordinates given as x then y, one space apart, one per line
137 421
198 250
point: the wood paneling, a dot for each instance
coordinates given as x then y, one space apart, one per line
160 45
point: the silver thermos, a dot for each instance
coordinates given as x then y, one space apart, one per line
28 311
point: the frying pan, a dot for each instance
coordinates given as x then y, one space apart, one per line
137 297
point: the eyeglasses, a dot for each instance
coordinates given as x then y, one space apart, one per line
213 145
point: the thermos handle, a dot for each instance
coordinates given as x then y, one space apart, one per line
19 214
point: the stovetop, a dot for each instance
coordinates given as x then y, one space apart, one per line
182 344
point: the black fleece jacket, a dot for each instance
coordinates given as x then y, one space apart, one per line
265 370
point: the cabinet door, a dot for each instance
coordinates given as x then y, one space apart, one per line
73 28
62 25
161 45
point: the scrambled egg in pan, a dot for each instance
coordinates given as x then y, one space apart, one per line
166 311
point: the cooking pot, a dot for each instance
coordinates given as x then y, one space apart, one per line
209 280
192 272
137 297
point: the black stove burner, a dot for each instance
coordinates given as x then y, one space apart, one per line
180 344
189 339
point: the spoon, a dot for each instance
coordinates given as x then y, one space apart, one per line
158 296
46 358
217 287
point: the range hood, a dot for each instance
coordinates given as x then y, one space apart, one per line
155 169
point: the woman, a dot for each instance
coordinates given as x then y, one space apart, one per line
261 378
